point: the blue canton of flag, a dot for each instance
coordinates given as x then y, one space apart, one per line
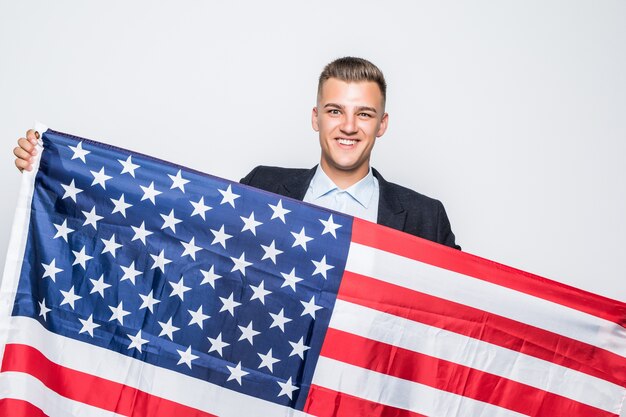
179 269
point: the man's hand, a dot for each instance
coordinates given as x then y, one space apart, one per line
25 151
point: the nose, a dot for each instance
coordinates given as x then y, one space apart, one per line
348 124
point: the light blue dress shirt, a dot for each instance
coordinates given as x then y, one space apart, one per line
359 200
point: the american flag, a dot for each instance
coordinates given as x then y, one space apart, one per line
136 287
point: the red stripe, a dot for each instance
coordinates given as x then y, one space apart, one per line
394 241
478 324
10 407
451 377
323 402
90 389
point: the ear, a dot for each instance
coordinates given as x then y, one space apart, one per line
314 121
383 125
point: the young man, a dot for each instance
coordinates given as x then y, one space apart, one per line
349 117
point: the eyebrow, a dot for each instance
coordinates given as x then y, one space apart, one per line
358 108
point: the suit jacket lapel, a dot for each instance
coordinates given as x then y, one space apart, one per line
390 210
297 186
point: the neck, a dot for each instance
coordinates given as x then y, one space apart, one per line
342 178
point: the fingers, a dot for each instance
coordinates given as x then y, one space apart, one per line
32 135
22 164
25 151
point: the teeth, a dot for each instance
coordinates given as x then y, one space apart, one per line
347 141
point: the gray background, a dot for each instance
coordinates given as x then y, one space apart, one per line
513 113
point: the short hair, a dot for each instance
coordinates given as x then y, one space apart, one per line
351 69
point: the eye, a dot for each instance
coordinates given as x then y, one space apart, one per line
365 115
334 111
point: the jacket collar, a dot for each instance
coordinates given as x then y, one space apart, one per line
298 184
390 210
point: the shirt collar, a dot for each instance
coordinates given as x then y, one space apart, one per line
362 191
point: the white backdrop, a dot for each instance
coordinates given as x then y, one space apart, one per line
513 113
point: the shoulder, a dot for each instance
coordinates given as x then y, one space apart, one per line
406 197
267 174
421 215
290 182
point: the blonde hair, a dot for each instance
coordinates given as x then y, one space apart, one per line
351 69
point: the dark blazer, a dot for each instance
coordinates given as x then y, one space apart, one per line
398 207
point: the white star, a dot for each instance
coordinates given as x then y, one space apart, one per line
217 344
118 313
186 356
120 205
268 360
130 272
51 270
279 320
210 277
271 252
248 333
43 310
160 261
298 348
79 152
286 388
148 301
300 239
70 297
136 341
92 218
178 181
321 267
229 304
310 307
290 279
197 317
220 237
236 373
110 245
330 226
259 293
62 230
168 329
190 248
81 258
279 211
249 223
100 178
149 193
99 285
128 166
141 233
240 264
170 221
199 208
70 191
179 288
228 196
88 325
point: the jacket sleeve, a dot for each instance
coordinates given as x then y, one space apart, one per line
444 230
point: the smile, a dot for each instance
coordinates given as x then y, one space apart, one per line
347 142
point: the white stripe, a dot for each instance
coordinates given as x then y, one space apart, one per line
17 243
400 393
486 357
157 381
25 387
486 296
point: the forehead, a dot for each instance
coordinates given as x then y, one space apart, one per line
350 93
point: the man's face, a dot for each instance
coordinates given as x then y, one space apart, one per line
349 117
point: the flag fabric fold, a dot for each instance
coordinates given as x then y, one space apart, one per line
136 287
